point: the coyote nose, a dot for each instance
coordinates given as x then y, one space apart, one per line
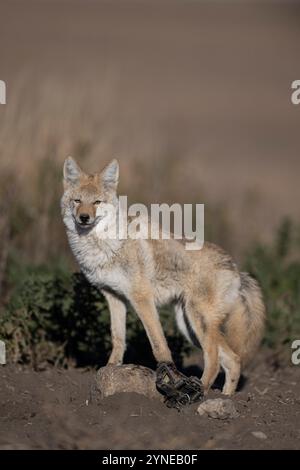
84 218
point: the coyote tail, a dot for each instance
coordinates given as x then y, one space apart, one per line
245 325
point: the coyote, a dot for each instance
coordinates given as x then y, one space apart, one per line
216 306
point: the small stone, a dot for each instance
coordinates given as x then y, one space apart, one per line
259 434
128 378
218 408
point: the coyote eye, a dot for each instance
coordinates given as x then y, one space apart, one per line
96 203
78 201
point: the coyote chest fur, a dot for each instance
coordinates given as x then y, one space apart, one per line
112 265
216 306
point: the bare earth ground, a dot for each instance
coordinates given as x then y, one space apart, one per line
55 409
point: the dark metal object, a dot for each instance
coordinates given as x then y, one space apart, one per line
178 389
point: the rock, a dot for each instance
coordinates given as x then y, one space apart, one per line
259 435
113 379
218 408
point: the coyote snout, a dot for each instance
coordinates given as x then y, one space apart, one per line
84 213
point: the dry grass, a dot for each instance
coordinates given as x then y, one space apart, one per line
43 125
194 102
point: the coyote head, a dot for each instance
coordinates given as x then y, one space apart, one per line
88 199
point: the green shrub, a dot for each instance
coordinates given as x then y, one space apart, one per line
277 269
59 318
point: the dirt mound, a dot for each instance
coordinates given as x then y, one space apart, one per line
56 409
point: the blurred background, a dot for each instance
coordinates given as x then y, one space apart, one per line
193 98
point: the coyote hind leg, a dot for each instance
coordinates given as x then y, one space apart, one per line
206 334
216 351
231 364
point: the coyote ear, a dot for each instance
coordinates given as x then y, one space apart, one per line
110 174
72 171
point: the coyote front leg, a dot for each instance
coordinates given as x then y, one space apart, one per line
146 310
118 328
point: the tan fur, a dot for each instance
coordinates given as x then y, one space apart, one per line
220 306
